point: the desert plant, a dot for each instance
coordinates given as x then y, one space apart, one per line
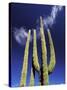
44 70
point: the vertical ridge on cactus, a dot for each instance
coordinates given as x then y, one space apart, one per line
44 55
25 62
52 53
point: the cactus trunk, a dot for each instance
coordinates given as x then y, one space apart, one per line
44 55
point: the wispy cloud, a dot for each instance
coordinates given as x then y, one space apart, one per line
50 20
21 35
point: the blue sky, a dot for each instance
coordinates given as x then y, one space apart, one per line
25 17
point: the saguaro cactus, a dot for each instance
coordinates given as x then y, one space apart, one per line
45 70
44 55
25 63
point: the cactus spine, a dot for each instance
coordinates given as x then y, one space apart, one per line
44 55
25 63
52 53
35 56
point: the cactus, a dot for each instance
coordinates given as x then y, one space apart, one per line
25 63
35 56
52 53
44 55
44 70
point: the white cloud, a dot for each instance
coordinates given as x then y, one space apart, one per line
50 20
20 35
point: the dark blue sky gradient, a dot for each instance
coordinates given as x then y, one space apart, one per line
26 15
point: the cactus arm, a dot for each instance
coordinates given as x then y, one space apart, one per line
52 63
35 55
44 54
32 78
25 63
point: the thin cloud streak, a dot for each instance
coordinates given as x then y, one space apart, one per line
50 20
